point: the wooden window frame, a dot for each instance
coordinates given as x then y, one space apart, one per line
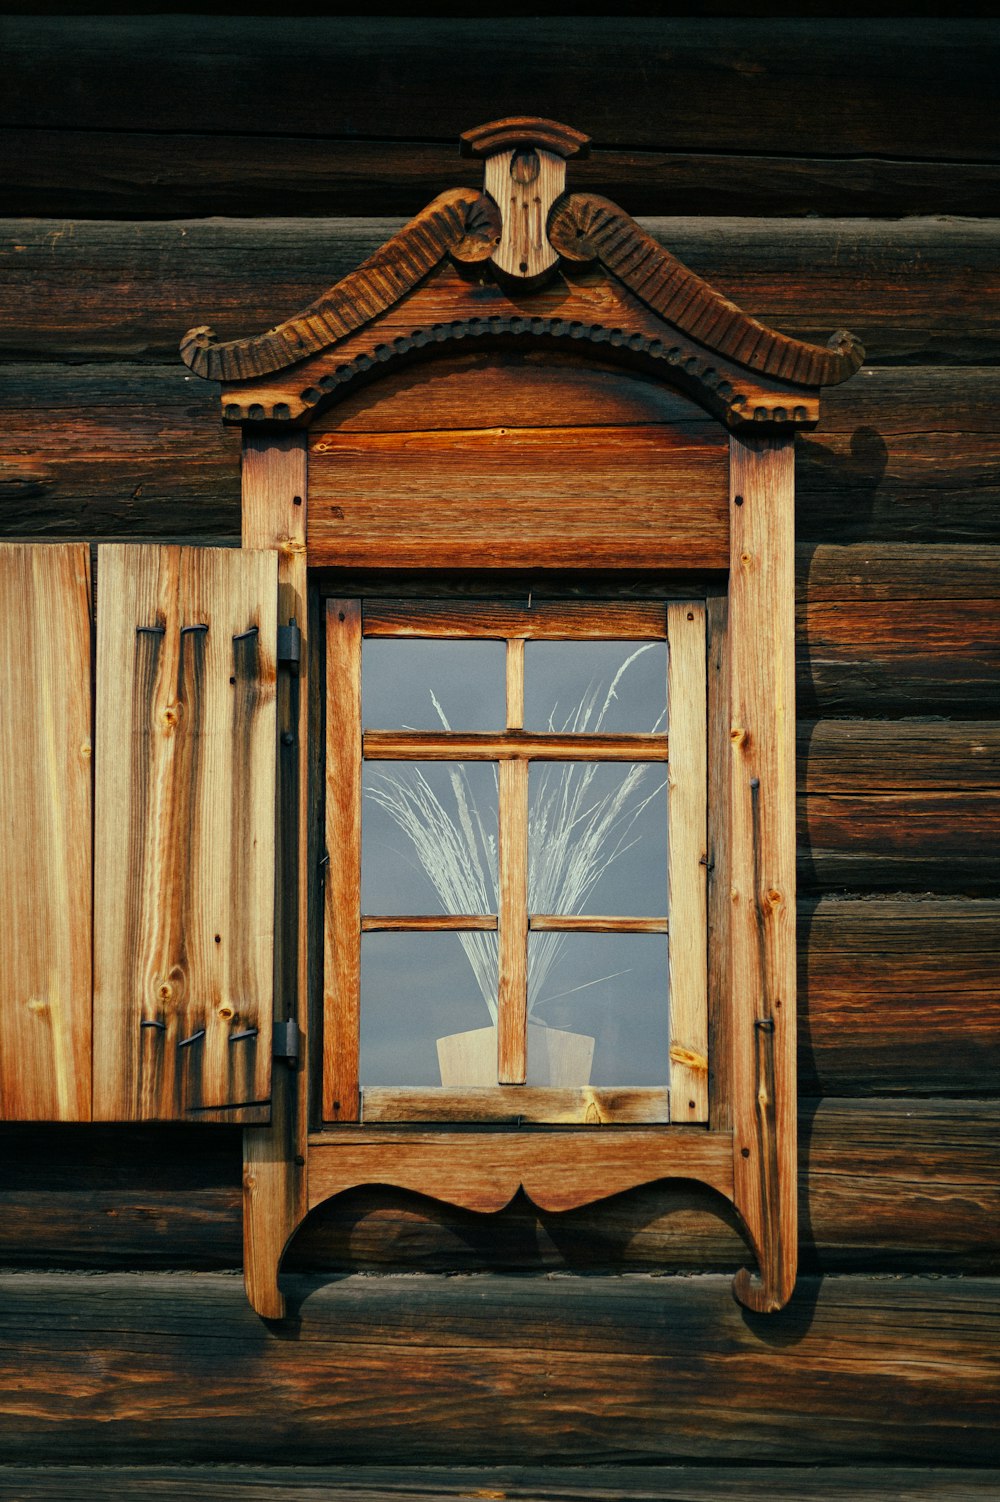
680 624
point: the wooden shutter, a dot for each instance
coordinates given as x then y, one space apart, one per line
184 833
45 832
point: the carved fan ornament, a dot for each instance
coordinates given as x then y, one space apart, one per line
526 264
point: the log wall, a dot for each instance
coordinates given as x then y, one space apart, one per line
607 1336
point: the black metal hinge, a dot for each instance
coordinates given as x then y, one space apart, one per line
289 647
285 1042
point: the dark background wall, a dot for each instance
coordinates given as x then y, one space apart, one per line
164 170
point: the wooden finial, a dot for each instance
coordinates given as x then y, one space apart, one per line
525 175
526 131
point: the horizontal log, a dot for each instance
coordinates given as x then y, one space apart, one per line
885 1185
899 996
916 291
379 1483
732 82
927 841
901 455
487 1370
895 756
141 174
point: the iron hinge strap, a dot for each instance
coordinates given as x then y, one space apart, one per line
285 1044
289 646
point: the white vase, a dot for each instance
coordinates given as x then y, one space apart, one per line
555 1057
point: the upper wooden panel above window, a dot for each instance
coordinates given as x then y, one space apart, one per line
521 462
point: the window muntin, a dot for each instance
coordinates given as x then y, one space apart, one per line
519 1061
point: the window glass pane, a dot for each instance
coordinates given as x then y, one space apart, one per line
432 685
417 988
609 687
597 838
428 837
608 987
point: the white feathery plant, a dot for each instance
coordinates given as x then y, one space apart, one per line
574 835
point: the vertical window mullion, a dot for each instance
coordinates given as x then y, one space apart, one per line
512 1030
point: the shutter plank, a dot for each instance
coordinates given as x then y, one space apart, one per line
45 832
184 858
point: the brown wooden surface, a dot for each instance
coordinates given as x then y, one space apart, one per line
184 833
513 746
512 897
887 1185
761 860
377 1483
899 996
388 141
541 620
594 924
442 922
902 454
418 499
483 1171
114 293
273 515
517 1103
464 1366
342 885
46 847
687 860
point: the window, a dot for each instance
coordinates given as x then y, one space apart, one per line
516 922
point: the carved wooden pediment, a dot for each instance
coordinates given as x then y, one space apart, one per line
523 262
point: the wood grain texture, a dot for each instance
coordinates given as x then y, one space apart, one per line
366 1483
542 620
887 1186
592 923
440 923
419 499
184 833
462 1366
514 683
141 174
899 996
902 455
45 833
483 1171
762 861
916 292
517 1103
342 890
511 746
274 505
403 82
924 841
512 896
687 861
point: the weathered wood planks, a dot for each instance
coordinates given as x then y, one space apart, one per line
418 499
429 79
518 1483
184 856
45 833
915 292
887 1185
466 1366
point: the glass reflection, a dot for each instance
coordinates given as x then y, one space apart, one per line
432 685
612 988
607 687
597 838
429 837
417 989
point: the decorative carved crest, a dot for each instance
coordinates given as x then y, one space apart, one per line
463 269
